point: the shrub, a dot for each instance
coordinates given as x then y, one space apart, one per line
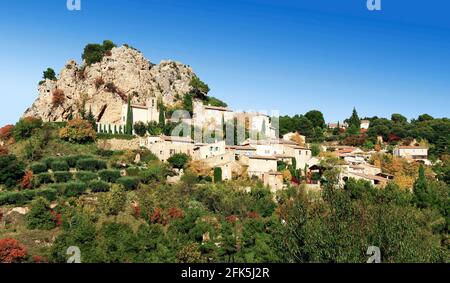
140 128
17 198
12 251
25 127
59 165
147 155
155 172
72 159
49 160
97 186
49 194
94 53
27 180
110 176
133 171
78 131
6 132
114 202
91 164
129 183
74 189
58 97
85 176
104 153
179 160
38 167
99 82
11 170
62 176
39 216
44 178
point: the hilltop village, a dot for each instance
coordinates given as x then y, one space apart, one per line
132 161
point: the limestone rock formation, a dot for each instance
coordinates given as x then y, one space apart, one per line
104 87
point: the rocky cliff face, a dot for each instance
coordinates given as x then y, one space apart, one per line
105 86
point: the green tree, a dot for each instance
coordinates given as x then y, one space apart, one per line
425 117
94 53
113 202
39 216
49 74
354 120
162 116
26 127
316 118
11 170
129 122
91 118
399 118
420 189
140 128
217 175
179 160
199 88
315 150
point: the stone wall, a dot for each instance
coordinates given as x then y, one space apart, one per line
119 144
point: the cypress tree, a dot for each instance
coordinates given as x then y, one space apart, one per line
129 125
91 118
224 128
420 189
263 130
162 118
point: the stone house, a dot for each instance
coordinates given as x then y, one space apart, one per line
164 146
242 150
258 165
204 151
416 153
142 113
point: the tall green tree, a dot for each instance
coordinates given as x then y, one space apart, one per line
420 189
316 118
162 116
129 123
354 120
91 118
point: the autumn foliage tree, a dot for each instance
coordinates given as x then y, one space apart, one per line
78 131
6 132
11 251
58 97
27 180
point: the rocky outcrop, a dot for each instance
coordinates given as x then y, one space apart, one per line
105 86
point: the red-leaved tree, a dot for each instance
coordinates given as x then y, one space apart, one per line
11 251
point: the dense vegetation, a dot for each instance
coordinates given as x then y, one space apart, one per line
119 208
426 129
94 53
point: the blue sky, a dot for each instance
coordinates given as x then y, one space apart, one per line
291 56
